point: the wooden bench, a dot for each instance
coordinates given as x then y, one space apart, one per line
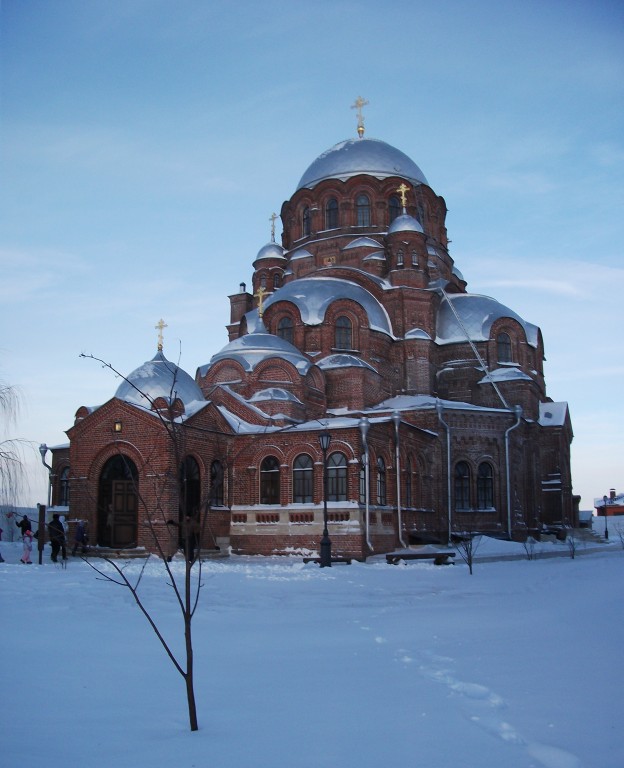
346 560
439 558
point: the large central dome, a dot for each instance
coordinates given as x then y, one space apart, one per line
355 156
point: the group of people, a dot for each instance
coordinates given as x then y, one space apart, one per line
56 535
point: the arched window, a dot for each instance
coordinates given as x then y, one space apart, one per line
269 481
263 280
331 214
485 486
381 481
462 485
64 488
414 258
362 206
302 479
400 257
305 222
337 477
277 281
216 484
394 208
503 348
343 333
285 329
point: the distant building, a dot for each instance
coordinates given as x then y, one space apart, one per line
359 323
613 504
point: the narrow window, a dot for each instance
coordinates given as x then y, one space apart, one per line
302 479
485 486
414 258
263 280
277 281
337 477
503 348
362 489
331 214
285 329
269 481
64 488
381 481
216 484
462 485
305 224
408 484
400 257
343 333
394 208
362 205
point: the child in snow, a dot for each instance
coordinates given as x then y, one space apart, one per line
28 539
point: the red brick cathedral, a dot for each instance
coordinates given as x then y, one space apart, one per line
358 328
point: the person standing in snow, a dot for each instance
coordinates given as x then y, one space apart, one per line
27 540
80 537
24 525
56 532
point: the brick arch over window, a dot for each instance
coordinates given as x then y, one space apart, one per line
485 486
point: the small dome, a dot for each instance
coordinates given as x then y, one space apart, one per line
271 251
253 348
355 156
474 315
405 223
159 378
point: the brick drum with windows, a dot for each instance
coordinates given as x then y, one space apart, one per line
360 324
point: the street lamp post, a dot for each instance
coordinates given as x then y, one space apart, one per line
605 500
325 440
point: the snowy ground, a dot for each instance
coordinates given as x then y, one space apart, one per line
517 666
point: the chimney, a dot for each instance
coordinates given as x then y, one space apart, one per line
612 494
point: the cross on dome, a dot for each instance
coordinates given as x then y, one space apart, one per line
159 327
403 190
272 219
359 103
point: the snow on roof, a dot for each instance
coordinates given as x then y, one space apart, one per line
156 378
477 314
255 347
313 295
552 414
340 360
362 242
505 374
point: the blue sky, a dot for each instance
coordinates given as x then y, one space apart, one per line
145 145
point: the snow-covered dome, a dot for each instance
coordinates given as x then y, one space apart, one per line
405 223
476 316
271 251
355 156
254 348
156 378
313 295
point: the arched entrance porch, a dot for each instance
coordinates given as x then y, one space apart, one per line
117 503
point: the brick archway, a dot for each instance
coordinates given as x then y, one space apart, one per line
117 503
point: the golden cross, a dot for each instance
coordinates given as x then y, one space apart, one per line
259 295
159 327
272 219
402 190
359 103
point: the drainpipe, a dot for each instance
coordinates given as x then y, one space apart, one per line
440 410
517 410
364 427
396 418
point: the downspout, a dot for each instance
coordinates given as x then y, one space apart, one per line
396 418
517 409
440 410
364 427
